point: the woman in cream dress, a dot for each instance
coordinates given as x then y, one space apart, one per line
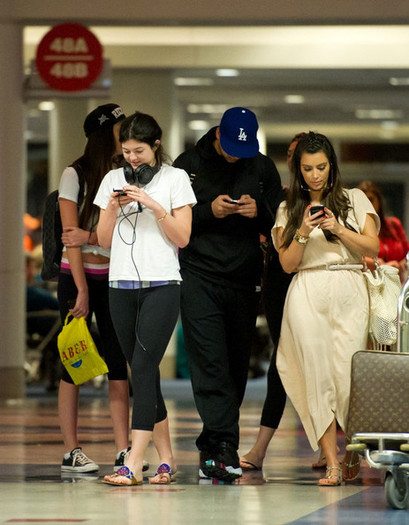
326 312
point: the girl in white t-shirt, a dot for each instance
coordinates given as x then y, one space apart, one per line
145 217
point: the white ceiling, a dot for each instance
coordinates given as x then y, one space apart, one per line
343 74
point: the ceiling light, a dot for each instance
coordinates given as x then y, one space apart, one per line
227 72
186 81
389 125
294 99
399 81
207 108
46 105
383 114
198 125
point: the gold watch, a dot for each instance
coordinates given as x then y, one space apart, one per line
301 239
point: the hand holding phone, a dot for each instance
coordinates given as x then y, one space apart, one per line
316 209
235 201
120 191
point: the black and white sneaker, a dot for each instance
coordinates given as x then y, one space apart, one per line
222 464
121 458
205 455
77 461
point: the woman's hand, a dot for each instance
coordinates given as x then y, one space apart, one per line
330 223
74 237
81 307
310 222
135 194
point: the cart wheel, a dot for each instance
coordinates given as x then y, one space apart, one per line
397 497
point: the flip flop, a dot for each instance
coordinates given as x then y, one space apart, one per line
351 466
163 476
248 465
124 472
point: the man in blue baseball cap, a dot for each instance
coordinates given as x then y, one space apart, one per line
238 190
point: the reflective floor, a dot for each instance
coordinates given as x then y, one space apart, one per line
33 490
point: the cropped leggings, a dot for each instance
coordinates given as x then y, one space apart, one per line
144 321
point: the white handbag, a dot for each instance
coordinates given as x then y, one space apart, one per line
384 288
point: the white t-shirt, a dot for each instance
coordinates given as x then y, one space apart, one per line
69 189
140 250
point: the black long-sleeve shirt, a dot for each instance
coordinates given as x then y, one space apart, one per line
228 250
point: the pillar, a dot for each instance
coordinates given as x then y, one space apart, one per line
66 136
12 206
151 92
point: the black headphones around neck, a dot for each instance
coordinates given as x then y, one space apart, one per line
142 175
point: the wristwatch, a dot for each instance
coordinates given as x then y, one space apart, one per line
301 239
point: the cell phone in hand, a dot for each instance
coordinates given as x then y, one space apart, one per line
121 192
235 201
316 209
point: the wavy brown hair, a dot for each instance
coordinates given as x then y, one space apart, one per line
298 197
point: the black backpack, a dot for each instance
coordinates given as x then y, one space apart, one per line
52 230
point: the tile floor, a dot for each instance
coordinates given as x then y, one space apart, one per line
33 490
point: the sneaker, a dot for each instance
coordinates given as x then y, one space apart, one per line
222 464
205 456
121 458
77 461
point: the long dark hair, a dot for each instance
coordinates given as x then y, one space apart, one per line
386 231
144 128
298 198
98 158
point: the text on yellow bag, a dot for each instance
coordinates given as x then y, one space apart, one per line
78 352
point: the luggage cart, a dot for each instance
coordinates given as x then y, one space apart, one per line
379 409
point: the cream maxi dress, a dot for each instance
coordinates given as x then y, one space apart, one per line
324 323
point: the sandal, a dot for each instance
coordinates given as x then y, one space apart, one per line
333 477
163 476
248 465
351 466
123 472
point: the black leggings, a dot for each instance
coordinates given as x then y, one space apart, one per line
98 304
275 286
144 320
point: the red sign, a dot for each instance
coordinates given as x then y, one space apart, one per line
69 57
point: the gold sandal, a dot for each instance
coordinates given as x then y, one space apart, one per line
123 472
332 479
163 476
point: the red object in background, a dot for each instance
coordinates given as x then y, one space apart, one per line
69 57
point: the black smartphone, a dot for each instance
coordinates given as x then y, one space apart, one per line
235 201
316 209
121 192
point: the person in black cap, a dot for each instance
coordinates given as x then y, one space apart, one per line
238 190
83 282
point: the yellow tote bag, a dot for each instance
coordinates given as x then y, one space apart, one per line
78 352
